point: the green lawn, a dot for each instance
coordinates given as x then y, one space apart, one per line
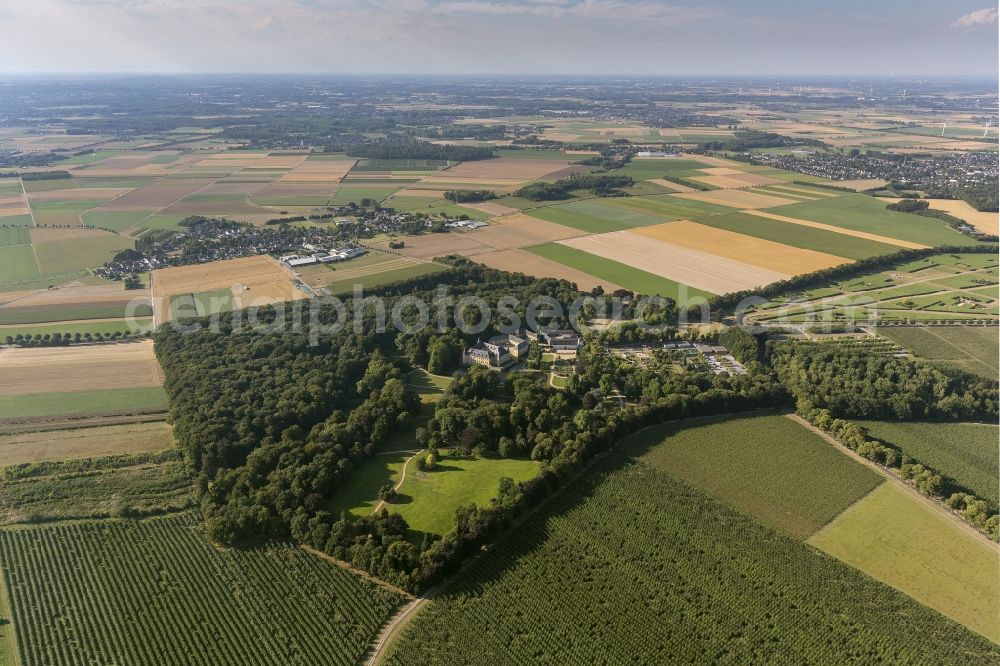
799 236
613 271
967 453
767 466
17 264
74 403
900 540
64 256
427 500
864 213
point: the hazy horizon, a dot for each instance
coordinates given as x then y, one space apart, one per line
502 37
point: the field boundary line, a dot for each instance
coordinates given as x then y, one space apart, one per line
354 570
893 478
838 230
392 629
24 195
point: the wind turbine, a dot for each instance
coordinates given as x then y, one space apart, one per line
944 126
986 129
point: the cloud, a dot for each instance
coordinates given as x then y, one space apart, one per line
602 10
986 16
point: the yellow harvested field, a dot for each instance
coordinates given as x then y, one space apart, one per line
246 271
673 187
85 442
319 171
988 223
253 281
717 161
521 261
491 208
440 245
737 198
521 230
839 230
280 161
720 171
158 195
701 270
755 251
26 370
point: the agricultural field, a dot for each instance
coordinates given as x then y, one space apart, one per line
85 442
83 403
923 553
370 270
572 584
940 287
966 453
862 213
112 486
529 263
179 600
972 348
251 281
616 272
78 368
767 466
703 271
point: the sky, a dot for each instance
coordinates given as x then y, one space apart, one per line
638 37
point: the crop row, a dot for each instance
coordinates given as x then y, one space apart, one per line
639 549
155 592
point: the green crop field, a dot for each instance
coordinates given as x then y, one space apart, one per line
348 193
627 546
71 255
767 466
647 169
900 540
102 401
14 236
71 328
670 207
97 487
427 500
54 313
115 220
340 287
32 186
864 213
967 453
598 215
17 264
433 207
62 213
799 236
202 303
613 271
17 221
972 348
156 592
